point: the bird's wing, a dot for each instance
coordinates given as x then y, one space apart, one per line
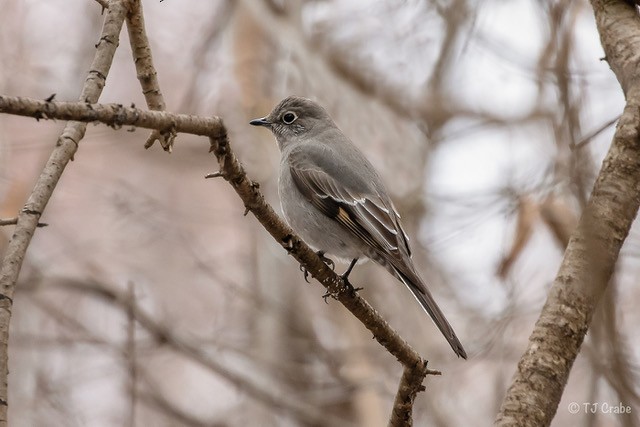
340 193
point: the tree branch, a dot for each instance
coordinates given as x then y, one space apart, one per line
146 72
594 247
113 115
195 353
410 386
63 152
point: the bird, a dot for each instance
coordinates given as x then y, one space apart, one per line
332 196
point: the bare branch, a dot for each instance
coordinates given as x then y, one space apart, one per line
46 183
114 115
146 72
410 386
594 247
194 352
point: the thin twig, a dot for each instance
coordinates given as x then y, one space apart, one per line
146 72
586 139
14 221
163 334
130 353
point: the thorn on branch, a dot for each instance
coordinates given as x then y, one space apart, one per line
14 221
247 209
104 4
50 98
213 175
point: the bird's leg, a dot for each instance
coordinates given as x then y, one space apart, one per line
324 259
345 277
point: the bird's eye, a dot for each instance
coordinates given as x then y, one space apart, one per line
289 117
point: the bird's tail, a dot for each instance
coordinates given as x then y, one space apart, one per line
422 294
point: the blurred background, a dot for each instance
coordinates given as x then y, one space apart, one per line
151 300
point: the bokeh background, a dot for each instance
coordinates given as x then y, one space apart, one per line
488 121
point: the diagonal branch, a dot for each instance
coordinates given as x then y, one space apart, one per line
304 411
146 72
594 247
63 152
410 386
116 115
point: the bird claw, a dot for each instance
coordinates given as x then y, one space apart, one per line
306 273
327 295
326 260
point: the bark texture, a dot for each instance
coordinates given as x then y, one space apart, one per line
594 247
65 149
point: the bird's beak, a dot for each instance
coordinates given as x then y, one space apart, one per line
260 122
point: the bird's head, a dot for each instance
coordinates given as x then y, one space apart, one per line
293 118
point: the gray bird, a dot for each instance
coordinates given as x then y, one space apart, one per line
334 199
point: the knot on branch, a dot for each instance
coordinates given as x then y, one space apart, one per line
48 110
30 211
219 142
118 117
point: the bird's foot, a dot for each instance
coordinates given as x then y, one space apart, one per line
328 261
347 287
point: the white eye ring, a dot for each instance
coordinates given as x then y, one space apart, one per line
289 117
